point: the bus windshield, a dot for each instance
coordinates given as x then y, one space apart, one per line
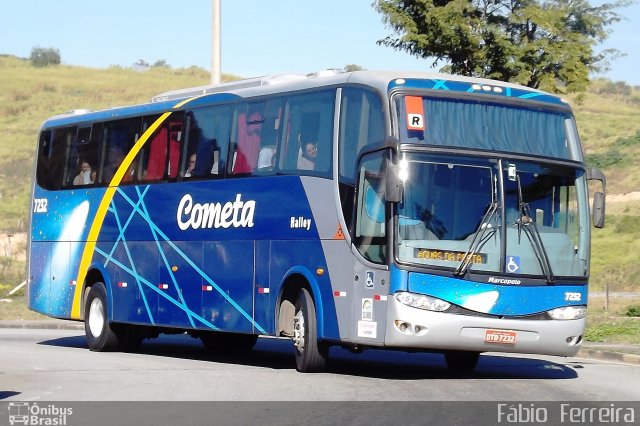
492 215
487 126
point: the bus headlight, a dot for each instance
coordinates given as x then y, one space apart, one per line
568 313
422 301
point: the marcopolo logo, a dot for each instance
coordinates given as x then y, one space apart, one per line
494 280
25 413
238 214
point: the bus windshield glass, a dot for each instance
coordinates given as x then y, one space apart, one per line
487 126
492 215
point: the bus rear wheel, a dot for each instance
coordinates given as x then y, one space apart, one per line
100 336
311 355
461 360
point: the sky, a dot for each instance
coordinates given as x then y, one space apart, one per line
259 37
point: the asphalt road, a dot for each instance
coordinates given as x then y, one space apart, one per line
55 365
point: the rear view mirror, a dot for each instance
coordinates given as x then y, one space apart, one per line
598 197
598 209
393 184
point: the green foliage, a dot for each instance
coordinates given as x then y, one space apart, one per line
44 57
161 63
542 44
352 67
604 160
623 330
629 141
633 311
141 65
615 248
626 224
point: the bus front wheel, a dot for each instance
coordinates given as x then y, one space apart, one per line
311 355
100 336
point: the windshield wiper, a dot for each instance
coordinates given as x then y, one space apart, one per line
526 223
479 237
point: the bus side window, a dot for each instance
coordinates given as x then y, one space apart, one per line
270 136
370 213
120 137
204 153
250 121
362 123
307 146
175 139
51 154
82 159
160 157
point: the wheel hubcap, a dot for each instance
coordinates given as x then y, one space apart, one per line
298 331
96 317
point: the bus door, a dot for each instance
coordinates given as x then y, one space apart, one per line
371 275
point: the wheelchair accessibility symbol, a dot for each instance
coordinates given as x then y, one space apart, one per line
513 264
370 279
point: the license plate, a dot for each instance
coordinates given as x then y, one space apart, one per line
504 337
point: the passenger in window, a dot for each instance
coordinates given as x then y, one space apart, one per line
307 158
191 166
86 175
266 157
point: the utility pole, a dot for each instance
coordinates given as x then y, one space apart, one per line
215 43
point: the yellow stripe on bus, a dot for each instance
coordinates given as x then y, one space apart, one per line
96 226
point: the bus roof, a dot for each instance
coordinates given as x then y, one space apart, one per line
382 81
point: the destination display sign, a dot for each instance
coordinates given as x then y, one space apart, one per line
448 255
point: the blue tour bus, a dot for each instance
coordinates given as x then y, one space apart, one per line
412 211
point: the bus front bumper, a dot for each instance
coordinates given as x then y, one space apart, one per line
414 328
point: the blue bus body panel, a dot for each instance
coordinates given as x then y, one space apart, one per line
510 300
496 89
168 264
57 246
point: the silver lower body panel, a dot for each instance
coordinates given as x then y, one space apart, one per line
441 331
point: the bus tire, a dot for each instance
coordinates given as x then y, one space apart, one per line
216 341
311 355
100 336
461 360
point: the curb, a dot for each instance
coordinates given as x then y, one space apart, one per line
604 355
43 325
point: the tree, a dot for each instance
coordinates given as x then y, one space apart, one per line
43 57
547 45
352 67
141 65
161 63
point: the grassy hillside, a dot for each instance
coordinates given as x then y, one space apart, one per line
608 121
29 95
609 125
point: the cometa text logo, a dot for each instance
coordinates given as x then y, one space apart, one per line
238 214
